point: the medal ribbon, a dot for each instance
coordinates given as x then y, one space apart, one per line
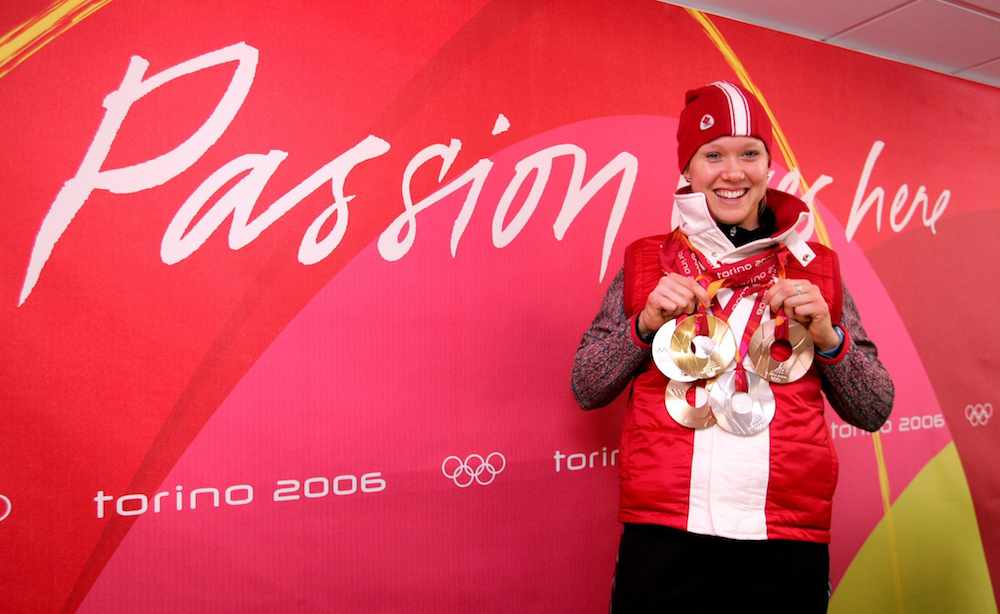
748 276
780 319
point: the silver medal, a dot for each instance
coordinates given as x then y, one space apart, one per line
742 413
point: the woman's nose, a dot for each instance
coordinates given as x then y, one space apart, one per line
732 172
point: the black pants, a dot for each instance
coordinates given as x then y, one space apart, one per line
665 570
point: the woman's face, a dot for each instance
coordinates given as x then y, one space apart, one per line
731 172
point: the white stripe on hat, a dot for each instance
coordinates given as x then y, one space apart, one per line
739 108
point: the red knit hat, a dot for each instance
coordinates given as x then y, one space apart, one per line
715 110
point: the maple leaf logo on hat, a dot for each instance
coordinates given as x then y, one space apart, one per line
719 109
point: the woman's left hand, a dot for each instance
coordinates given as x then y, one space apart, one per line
801 301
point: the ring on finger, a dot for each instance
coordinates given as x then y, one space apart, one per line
798 289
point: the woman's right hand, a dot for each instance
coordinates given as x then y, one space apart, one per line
672 296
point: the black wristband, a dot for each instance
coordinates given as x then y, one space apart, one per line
644 338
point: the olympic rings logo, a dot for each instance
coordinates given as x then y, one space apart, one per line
473 469
8 507
978 414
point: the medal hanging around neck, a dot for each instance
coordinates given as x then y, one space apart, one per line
781 350
702 346
741 412
742 401
696 347
688 405
662 355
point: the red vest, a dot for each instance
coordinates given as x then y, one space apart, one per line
656 452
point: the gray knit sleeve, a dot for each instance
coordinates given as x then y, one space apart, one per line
607 356
858 386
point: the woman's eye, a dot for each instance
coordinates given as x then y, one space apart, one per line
751 154
713 155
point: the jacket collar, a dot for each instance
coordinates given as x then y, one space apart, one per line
792 217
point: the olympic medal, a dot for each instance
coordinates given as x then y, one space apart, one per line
663 357
770 368
702 356
741 413
693 417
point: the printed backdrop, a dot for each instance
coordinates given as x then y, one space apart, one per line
291 291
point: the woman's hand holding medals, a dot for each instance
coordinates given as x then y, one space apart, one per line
713 376
674 295
801 301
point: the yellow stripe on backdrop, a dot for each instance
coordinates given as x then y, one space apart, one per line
28 38
734 62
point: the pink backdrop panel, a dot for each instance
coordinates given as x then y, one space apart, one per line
328 405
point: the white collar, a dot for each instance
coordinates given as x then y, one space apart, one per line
691 214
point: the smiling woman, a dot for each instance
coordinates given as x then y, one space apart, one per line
723 149
731 172
727 330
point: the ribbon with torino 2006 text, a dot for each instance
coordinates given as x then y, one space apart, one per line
745 277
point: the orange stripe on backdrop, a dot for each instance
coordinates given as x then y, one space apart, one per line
26 39
734 62
786 150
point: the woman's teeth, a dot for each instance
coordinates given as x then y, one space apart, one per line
731 193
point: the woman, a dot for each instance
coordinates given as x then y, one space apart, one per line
727 475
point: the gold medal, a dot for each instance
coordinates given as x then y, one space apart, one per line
697 417
662 355
763 346
741 413
701 356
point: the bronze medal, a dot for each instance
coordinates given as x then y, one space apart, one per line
742 413
698 417
770 368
